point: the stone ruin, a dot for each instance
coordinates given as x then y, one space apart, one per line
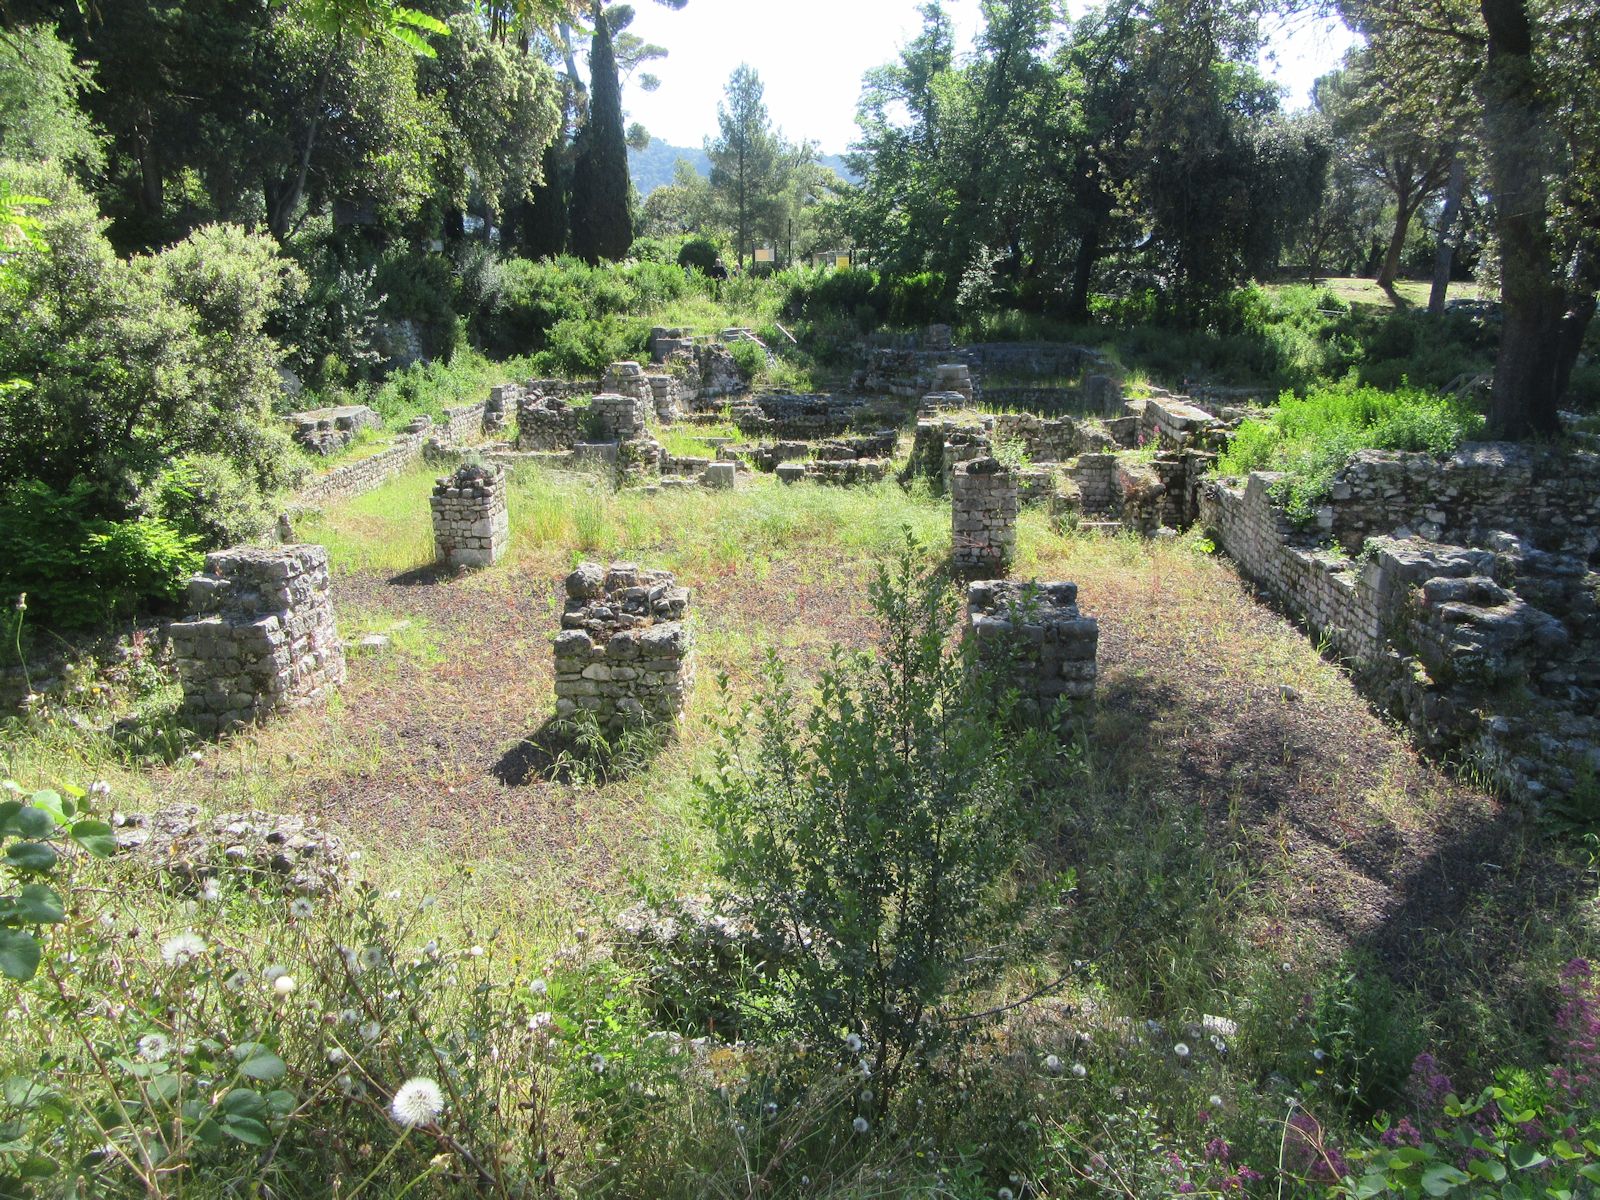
625 652
254 849
471 527
1462 591
1034 632
326 431
983 507
260 638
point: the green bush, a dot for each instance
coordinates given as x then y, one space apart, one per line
80 570
205 498
887 819
699 254
421 288
751 359
1311 438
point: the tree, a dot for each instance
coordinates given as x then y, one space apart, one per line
1532 71
40 89
744 157
682 206
1381 135
602 225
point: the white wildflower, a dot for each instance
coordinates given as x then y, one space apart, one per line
210 892
1005 1194
859 1125
236 981
182 947
100 789
371 1030
538 987
1079 1071
1052 1063
1319 1054
417 1102
274 972
372 957
865 1068
597 1063
853 1043
336 1056
300 908
431 949
541 1023
1181 1050
153 1047
1216 1101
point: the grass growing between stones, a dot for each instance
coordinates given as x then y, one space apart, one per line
1249 839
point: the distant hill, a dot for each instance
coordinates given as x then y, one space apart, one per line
652 167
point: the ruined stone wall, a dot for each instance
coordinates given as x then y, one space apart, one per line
845 472
465 422
983 506
618 418
259 639
1035 633
1490 651
327 431
1173 423
1548 497
624 653
471 527
355 478
802 417
1050 440
547 422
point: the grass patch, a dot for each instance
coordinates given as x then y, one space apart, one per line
1311 438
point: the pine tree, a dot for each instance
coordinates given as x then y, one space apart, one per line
602 225
744 160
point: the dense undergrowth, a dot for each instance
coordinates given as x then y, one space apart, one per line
1309 438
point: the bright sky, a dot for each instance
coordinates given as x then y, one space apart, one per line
811 56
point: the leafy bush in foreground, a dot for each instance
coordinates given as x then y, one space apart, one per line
1310 438
880 834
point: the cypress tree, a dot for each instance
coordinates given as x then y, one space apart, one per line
542 228
602 225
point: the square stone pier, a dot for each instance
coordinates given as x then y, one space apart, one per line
625 652
1034 632
983 514
260 638
471 527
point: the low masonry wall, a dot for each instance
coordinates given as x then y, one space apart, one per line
1489 651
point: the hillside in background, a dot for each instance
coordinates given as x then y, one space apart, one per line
652 168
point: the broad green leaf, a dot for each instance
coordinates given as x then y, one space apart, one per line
95 837
163 1088
1488 1169
263 1065
35 857
21 1092
52 803
281 1102
247 1130
1525 1158
242 1102
33 822
19 954
37 904
1442 1179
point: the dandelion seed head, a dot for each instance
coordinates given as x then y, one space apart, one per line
417 1102
859 1125
153 1047
370 1031
300 908
182 947
284 985
1181 1049
1080 1071
853 1043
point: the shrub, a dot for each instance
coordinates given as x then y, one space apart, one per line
1311 438
205 498
245 1037
420 288
80 570
877 831
750 358
699 254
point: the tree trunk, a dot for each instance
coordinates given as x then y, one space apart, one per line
1445 256
1525 375
1083 269
1405 208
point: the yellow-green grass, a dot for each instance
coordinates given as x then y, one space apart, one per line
1406 293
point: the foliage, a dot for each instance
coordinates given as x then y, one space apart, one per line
262 1037
751 359
31 826
602 225
80 570
1311 438
205 498
131 364
40 85
700 254
877 831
